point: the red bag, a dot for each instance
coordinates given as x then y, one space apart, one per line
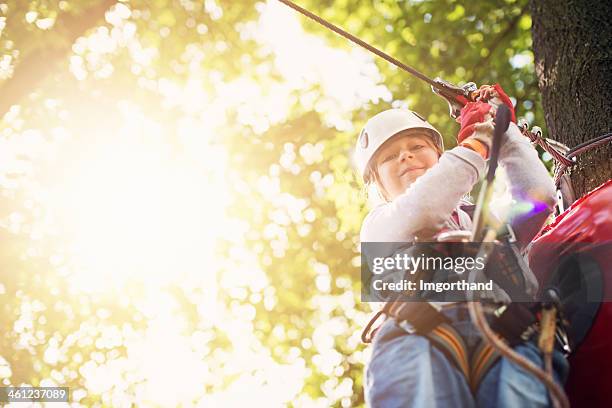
584 231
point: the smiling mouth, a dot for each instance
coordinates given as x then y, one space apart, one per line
410 170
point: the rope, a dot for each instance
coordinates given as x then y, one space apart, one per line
589 144
578 150
477 315
361 43
476 312
564 161
567 158
536 137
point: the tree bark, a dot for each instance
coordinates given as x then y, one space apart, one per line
40 63
572 43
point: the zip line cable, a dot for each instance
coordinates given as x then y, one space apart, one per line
476 313
361 43
564 160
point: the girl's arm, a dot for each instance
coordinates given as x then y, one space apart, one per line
530 184
428 202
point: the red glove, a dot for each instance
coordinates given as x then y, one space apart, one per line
488 98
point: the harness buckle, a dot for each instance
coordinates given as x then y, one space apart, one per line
561 336
407 327
419 317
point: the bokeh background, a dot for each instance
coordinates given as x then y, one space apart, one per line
179 215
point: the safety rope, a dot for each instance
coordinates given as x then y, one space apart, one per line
578 150
483 232
535 135
477 316
361 43
564 160
567 158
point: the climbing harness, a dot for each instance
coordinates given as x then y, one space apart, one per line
511 324
551 313
516 323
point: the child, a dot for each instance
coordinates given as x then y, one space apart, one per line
423 189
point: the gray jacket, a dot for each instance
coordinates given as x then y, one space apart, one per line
429 202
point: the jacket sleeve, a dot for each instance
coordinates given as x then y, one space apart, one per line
530 184
427 202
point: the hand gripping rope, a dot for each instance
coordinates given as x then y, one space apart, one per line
458 96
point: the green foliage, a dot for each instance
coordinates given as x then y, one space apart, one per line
289 180
469 42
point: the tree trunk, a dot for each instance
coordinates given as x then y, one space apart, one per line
572 43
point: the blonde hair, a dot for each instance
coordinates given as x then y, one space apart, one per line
372 178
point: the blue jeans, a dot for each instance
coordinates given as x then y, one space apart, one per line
408 371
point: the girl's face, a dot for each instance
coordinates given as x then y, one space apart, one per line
402 160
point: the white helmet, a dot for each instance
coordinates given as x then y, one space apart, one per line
383 126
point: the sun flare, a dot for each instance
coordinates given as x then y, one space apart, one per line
130 209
